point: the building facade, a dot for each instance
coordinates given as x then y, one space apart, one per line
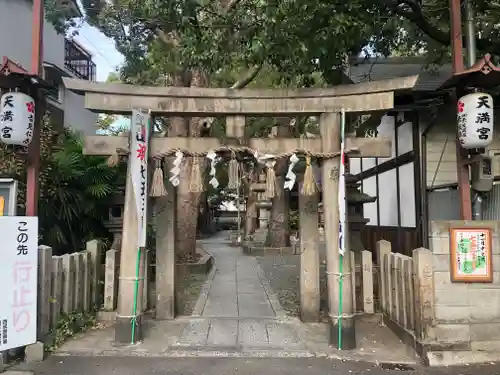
418 183
62 57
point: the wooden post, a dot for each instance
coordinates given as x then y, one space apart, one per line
78 291
110 281
128 259
330 139
394 287
166 223
44 276
353 278
87 283
147 267
309 258
423 293
383 252
68 282
410 302
367 281
57 290
95 249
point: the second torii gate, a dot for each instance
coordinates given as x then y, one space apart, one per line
235 105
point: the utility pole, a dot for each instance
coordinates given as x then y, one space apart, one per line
462 154
470 34
33 165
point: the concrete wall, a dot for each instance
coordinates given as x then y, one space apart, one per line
15 35
76 116
467 315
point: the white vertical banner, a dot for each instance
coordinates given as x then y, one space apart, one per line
139 153
342 200
19 281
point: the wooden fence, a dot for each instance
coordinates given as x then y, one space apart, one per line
74 282
403 289
362 272
111 276
67 284
403 240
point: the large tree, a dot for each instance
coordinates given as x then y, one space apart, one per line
194 43
201 42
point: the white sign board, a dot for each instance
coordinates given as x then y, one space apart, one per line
139 168
18 278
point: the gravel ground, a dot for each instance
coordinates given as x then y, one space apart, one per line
189 291
283 273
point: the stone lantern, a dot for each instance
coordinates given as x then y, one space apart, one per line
115 218
355 217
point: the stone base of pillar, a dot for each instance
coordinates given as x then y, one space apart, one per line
123 330
348 339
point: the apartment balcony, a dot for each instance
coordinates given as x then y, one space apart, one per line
78 61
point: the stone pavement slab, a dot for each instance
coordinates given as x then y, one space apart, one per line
232 366
223 332
239 315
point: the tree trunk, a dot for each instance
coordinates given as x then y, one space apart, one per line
251 207
188 202
278 232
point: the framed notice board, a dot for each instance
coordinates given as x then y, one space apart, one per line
8 197
471 260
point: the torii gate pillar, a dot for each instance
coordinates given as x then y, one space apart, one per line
344 339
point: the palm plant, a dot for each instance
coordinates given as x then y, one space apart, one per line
76 197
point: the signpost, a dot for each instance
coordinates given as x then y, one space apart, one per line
18 278
8 196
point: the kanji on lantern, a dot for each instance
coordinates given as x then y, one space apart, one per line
17 118
475 120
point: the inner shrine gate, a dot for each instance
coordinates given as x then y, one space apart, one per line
235 105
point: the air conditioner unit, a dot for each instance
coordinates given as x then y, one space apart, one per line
482 174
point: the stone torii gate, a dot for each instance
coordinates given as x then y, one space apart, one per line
235 105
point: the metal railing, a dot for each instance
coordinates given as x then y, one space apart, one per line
78 61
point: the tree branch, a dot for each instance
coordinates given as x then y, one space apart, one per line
417 17
247 78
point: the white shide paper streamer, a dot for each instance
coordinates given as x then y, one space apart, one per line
176 170
212 156
290 176
263 159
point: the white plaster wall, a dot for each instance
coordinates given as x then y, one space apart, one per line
441 149
76 116
15 35
387 193
369 186
15 43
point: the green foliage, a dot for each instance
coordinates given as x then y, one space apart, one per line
294 220
61 16
69 325
293 37
77 196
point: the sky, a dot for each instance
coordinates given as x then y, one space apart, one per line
104 53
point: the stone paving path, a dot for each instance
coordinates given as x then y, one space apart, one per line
237 308
239 315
